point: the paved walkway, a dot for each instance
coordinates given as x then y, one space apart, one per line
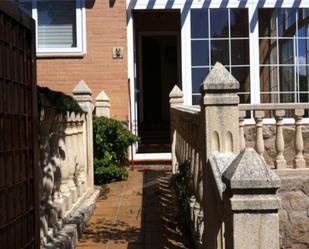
136 214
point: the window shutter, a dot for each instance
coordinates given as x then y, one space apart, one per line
57 24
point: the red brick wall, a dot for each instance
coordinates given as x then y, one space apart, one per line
106 28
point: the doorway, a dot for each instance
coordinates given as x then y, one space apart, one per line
158 70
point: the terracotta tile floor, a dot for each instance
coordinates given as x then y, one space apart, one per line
135 214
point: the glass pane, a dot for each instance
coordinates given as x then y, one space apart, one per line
199 23
244 98
303 51
287 98
56 24
242 74
268 51
267 23
304 98
287 83
286 51
219 23
286 22
26 7
196 99
198 76
269 98
240 52
220 51
303 22
269 83
200 53
239 23
303 78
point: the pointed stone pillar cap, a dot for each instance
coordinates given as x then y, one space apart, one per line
176 92
176 97
249 171
219 79
102 97
82 89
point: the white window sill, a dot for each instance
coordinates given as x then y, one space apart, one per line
59 54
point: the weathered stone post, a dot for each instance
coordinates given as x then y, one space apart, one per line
176 99
251 205
102 105
82 95
220 111
220 120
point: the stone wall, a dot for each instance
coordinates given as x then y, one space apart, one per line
294 215
269 135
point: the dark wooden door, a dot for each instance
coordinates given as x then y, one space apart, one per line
18 131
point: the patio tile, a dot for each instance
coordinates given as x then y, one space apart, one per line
135 214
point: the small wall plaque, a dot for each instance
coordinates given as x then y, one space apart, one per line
117 53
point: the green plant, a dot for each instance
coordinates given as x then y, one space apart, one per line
111 142
60 101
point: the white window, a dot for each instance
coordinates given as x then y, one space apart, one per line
284 50
60 29
220 35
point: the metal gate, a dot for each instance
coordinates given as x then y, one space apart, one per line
18 132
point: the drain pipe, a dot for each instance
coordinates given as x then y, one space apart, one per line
130 126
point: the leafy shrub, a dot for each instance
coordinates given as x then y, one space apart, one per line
111 142
108 174
59 100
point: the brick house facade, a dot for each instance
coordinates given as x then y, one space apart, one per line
105 29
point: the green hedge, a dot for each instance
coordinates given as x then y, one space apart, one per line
61 102
111 142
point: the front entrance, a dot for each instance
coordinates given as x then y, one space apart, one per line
158 70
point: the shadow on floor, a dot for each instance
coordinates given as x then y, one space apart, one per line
137 214
159 223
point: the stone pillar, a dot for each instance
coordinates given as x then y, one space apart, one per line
250 203
82 95
220 126
176 99
102 105
220 113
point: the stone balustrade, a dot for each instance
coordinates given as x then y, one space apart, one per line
66 168
233 193
277 149
188 151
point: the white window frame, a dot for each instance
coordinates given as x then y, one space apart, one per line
184 6
80 49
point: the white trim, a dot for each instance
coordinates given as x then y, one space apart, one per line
254 53
268 121
84 28
131 70
152 156
186 57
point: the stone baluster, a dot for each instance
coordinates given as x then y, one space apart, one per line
76 154
242 141
81 146
259 144
176 99
102 105
65 202
280 161
299 161
59 201
71 156
82 95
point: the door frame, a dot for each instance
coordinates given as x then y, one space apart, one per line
139 54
